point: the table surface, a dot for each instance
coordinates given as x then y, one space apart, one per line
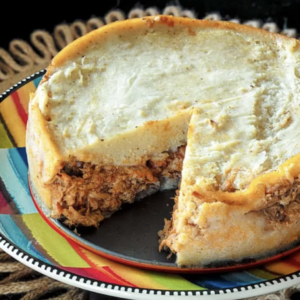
21 18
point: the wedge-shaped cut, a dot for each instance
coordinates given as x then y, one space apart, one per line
125 110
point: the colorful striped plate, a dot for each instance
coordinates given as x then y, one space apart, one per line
27 237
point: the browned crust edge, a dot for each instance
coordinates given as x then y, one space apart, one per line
82 44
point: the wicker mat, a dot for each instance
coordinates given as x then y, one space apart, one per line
20 282
24 58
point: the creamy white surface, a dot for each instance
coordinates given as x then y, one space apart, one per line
243 96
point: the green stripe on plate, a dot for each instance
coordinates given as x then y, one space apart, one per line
263 274
174 282
54 244
5 142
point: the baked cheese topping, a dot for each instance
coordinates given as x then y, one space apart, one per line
241 93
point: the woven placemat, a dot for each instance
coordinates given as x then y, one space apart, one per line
20 282
24 58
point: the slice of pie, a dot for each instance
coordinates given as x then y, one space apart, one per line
141 105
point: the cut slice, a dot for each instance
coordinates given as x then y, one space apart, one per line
111 118
221 215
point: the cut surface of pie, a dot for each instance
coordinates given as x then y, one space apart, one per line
146 104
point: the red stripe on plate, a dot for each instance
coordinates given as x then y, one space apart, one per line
92 273
21 112
98 272
109 270
4 206
292 261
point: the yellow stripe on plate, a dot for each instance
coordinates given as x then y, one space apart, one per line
13 122
24 94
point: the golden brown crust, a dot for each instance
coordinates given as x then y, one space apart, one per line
83 44
39 149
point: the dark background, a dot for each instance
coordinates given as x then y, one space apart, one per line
19 19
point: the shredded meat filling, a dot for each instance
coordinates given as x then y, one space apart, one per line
283 204
84 193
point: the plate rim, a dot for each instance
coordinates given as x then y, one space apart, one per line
20 83
117 290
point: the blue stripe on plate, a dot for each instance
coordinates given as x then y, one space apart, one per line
227 280
23 155
17 161
37 80
241 277
12 232
13 172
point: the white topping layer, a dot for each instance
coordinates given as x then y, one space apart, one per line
243 95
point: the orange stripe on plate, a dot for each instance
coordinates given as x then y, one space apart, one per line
281 268
13 121
135 276
285 266
103 267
